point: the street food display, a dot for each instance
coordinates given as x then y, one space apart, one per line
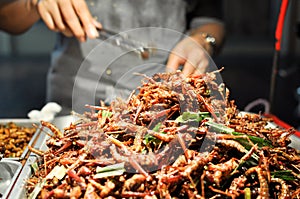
173 137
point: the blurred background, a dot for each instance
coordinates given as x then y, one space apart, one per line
247 58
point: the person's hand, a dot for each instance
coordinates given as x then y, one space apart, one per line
191 54
71 17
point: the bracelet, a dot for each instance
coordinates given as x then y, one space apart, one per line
209 39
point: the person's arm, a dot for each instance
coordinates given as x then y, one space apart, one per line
17 16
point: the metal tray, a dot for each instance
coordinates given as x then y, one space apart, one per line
9 172
18 191
25 123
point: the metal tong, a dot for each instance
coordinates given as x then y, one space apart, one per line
122 40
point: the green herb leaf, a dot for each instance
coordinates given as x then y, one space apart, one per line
157 127
219 127
111 167
151 139
106 114
256 140
224 129
283 174
111 170
192 116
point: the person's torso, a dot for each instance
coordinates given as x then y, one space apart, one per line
121 15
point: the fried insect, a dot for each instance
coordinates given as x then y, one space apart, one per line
158 144
14 139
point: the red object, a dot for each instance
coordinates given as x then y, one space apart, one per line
280 24
281 123
278 36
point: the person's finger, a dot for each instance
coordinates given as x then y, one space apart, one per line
71 19
201 67
46 17
56 15
67 32
85 18
192 61
50 13
174 62
188 69
97 23
202 62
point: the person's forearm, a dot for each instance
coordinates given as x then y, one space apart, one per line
17 16
217 30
